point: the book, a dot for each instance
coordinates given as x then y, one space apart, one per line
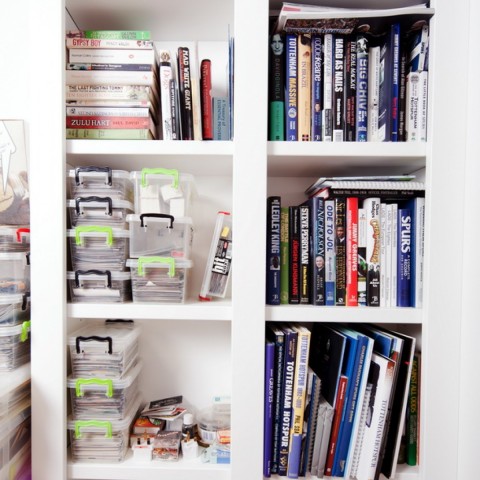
322 437
108 121
117 77
350 88
404 257
110 133
131 67
394 103
393 263
294 254
291 339
304 274
196 94
328 65
340 250
221 119
291 88
418 251
338 106
268 407
298 400
362 267
412 415
417 48
402 89
109 34
330 271
100 111
79 42
166 76
304 86
109 92
185 90
317 88
373 93
174 109
284 256
383 254
273 250
206 98
423 100
277 87
361 105
112 56
385 89
412 109
372 209
388 255
277 335
317 257
351 283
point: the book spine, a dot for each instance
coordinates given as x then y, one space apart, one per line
196 95
423 100
340 250
372 208
419 252
305 254
116 34
115 77
110 133
413 91
268 407
111 67
362 268
220 118
373 93
388 256
412 415
314 386
96 55
110 43
394 115
394 279
273 250
85 111
327 120
398 194
294 264
350 88
108 92
286 414
174 110
338 88
383 254
291 110
317 258
111 105
277 88
404 242
402 90
184 81
91 121
166 76
206 99
352 252
330 269
361 107
317 87
304 68
284 256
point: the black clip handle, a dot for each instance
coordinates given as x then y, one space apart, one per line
107 200
25 298
107 273
106 170
157 215
95 338
111 321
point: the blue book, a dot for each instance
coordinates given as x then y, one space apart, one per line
394 115
385 90
291 119
358 374
361 106
404 257
330 269
221 118
317 88
317 257
268 407
273 250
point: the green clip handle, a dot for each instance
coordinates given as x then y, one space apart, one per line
107 382
93 423
146 260
93 228
25 329
160 171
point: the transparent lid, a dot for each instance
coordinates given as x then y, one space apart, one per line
146 218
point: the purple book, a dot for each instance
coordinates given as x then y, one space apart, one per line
268 405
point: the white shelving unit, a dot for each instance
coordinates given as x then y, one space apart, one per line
202 349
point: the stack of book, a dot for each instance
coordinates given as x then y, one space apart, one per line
112 85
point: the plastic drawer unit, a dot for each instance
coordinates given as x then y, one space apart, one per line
14 239
14 309
14 272
14 346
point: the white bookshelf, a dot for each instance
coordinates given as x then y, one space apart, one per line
238 174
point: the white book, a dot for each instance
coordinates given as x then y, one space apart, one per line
394 254
383 254
109 55
419 250
423 101
322 436
388 257
373 93
74 111
166 75
102 77
412 95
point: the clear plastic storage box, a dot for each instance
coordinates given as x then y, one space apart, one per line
158 234
104 350
14 346
14 309
159 279
14 272
98 247
99 286
105 398
94 210
15 392
100 440
160 190
14 239
100 181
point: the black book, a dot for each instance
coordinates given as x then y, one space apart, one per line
294 264
304 253
185 89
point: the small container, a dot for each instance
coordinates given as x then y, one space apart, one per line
94 286
14 239
159 234
188 427
100 181
15 392
98 247
105 398
159 279
14 309
104 350
160 190
213 420
94 210
14 346
98 440
166 445
14 272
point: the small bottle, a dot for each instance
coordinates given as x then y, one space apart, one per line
188 430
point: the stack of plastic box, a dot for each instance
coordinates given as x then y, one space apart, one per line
161 234
103 390
100 200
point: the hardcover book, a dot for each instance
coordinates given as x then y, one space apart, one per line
291 119
268 407
351 297
327 119
338 106
277 88
304 85
294 263
350 88
273 250
317 257
404 257
330 252
185 89
305 276
284 255
317 87
361 106
206 99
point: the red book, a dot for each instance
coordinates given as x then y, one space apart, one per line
337 417
352 252
206 99
94 121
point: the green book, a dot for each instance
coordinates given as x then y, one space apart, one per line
412 415
117 34
109 133
284 251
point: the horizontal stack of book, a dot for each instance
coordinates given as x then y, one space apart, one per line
349 75
335 400
111 85
352 243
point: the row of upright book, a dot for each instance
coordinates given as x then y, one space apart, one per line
340 401
351 243
353 77
123 85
